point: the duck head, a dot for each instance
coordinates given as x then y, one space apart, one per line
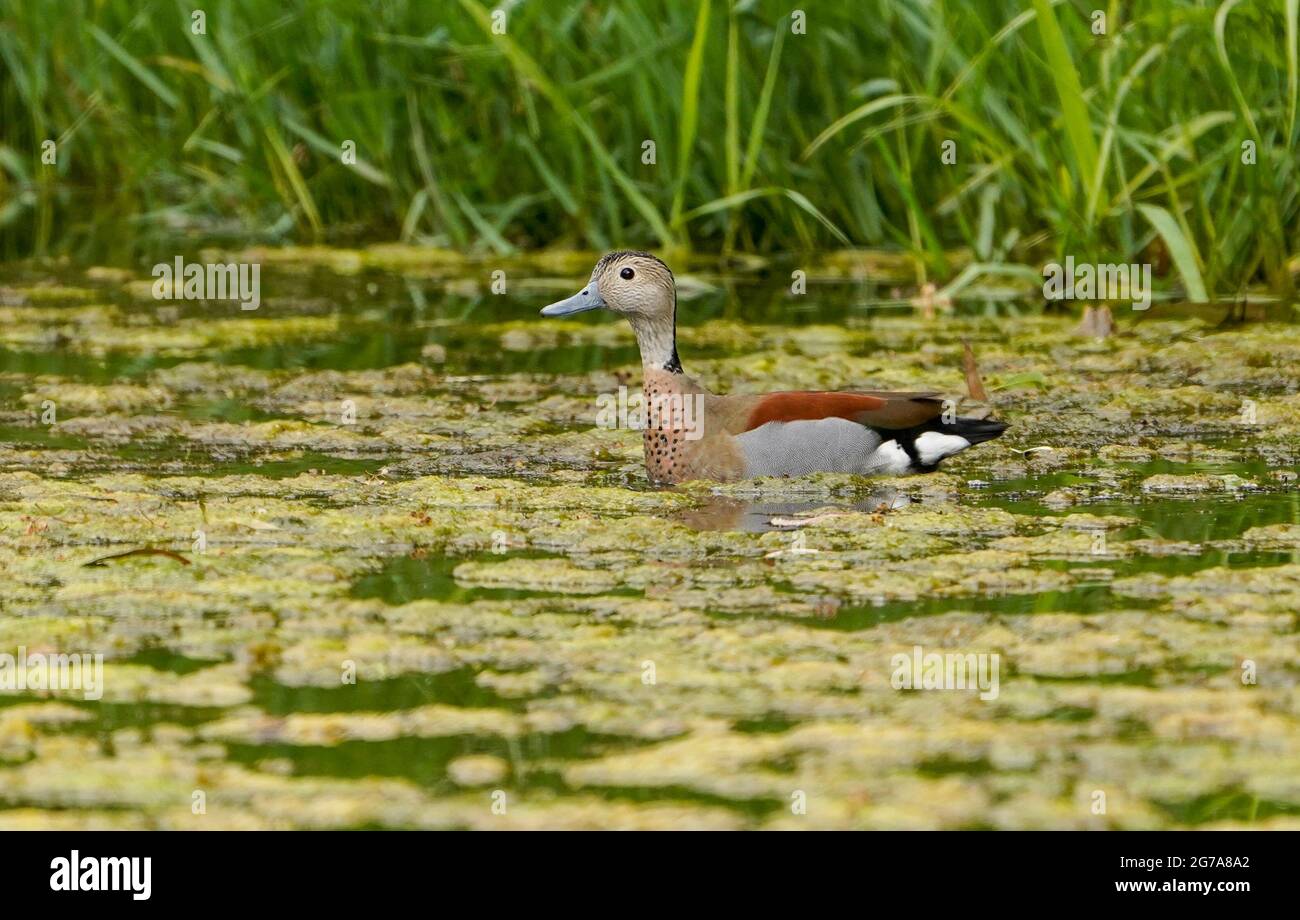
641 288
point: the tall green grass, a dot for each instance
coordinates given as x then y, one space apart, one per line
1113 147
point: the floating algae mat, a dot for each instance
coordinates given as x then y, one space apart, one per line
362 558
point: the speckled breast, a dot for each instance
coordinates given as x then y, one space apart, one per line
665 459
669 418
674 420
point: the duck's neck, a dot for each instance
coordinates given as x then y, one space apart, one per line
657 339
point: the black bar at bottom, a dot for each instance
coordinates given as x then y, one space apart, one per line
541 870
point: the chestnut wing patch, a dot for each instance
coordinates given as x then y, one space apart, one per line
878 410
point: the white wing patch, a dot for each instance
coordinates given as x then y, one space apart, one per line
933 446
890 458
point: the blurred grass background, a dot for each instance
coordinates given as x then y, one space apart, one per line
1117 147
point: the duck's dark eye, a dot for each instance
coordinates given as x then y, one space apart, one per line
626 274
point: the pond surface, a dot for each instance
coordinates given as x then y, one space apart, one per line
411 584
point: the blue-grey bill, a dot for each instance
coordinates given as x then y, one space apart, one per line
587 299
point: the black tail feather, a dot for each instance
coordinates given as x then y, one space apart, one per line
972 430
975 430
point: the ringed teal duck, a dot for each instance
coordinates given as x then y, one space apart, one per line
690 433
